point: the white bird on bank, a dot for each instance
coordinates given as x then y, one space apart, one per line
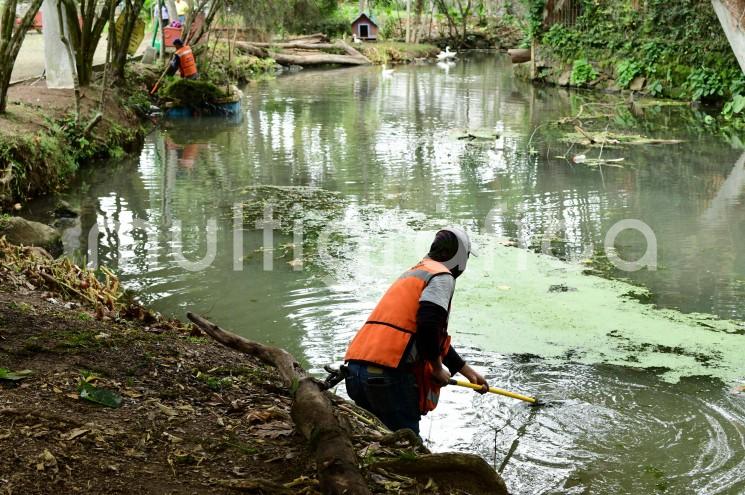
355 39
387 72
446 55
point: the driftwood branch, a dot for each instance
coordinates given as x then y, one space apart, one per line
311 411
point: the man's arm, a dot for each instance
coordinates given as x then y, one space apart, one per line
174 65
431 319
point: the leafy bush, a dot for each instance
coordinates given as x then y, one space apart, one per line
704 83
582 72
734 107
626 71
655 88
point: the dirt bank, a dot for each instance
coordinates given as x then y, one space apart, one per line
42 143
192 417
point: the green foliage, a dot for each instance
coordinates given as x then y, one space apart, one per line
704 83
219 67
734 107
294 16
100 396
678 46
139 102
6 374
535 17
626 71
582 72
654 87
82 148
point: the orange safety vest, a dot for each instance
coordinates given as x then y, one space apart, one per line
386 335
187 65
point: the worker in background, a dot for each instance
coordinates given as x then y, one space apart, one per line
183 60
402 355
182 8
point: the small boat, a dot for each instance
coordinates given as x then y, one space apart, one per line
228 107
446 55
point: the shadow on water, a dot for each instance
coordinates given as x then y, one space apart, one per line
391 147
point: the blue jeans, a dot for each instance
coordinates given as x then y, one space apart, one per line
391 395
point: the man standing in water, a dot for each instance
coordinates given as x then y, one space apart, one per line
397 361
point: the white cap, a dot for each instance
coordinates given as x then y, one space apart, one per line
465 249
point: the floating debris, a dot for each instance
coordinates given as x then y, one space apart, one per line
611 139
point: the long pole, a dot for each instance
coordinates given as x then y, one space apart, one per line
498 391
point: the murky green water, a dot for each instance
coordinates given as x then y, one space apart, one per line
641 397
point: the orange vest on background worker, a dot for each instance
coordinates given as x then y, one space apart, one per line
187 64
385 337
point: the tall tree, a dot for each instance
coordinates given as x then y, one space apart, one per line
11 39
86 20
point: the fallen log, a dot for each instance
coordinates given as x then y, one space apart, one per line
318 59
295 44
519 55
352 51
338 471
319 36
305 59
250 48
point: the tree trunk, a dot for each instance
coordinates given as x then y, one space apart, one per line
418 10
408 21
4 84
85 27
11 39
131 12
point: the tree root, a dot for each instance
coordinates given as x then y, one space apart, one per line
467 472
338 471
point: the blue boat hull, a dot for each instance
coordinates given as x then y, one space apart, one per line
230 110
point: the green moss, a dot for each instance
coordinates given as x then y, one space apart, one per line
79 339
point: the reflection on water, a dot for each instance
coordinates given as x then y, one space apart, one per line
388 145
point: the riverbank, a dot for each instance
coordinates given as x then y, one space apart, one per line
95 386
43 142
641 49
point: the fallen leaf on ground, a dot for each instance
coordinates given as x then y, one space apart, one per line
273 430
77 432
6 374
47 460
100 396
